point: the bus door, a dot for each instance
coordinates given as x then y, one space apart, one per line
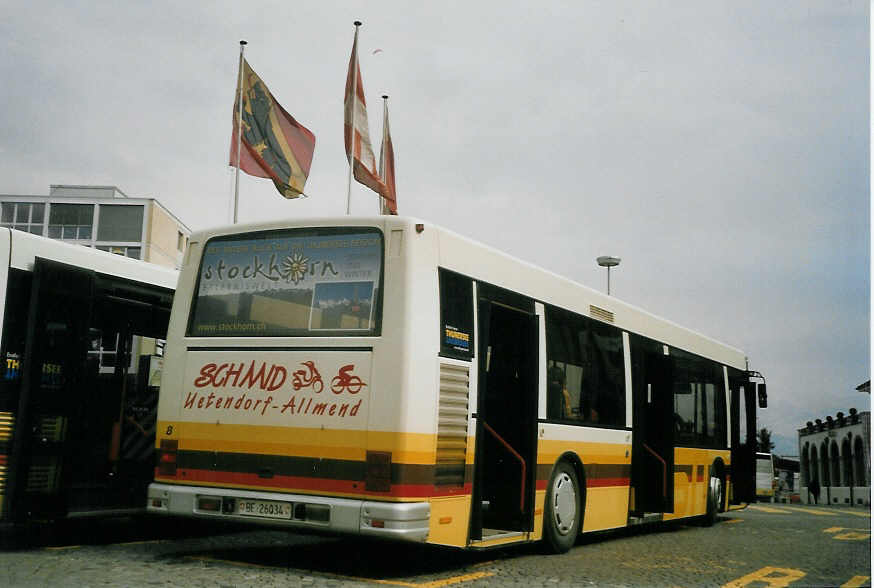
53 369
743 437
506 427
117 456
652 466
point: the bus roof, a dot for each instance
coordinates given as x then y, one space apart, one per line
474 259
21 250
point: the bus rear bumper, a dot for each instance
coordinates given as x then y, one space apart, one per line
408 521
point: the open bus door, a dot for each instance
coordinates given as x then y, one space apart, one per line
743 437
652 469
85 427
506 433
53 369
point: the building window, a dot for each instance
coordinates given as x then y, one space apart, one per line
132 252
119 222
71 221
23 216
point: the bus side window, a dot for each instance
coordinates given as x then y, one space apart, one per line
586 370
606 382
699 401
456 315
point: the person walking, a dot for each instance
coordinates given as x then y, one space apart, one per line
814 489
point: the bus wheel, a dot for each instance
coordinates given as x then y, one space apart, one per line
715 499
563 512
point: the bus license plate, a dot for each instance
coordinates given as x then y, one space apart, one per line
264 508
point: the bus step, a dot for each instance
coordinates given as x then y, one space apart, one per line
491 535
647 517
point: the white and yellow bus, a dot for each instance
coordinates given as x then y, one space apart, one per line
81 343
389 378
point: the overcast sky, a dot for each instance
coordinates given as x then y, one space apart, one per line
721 149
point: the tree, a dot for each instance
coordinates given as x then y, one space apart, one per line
763 440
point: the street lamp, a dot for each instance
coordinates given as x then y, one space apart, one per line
608 262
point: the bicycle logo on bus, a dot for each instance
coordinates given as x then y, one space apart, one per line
344 381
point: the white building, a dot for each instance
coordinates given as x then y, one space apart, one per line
102 217
105 218
836 453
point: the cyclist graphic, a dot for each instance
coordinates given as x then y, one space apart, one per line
344 381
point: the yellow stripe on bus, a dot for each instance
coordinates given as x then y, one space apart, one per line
416 448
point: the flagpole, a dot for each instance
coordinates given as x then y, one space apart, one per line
379 199
239 132
357 24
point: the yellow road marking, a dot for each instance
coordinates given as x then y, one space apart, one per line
63 547
856 581
734 521
432 584
813 511
858 514
849 534
769 509
785 577
853 536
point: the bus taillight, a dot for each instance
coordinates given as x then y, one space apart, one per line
167 457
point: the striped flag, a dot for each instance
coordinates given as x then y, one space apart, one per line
387 164
359 152
274 145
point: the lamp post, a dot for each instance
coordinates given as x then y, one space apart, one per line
608 262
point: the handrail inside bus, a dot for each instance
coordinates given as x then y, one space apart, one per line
664 469
517 456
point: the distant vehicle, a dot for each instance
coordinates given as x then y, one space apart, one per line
388 378
766 479
82 335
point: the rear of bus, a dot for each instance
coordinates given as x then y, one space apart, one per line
281 400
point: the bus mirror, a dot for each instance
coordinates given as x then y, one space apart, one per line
763 395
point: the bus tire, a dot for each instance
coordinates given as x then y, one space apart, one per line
715 499
563 513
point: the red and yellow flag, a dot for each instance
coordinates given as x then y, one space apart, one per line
274 144
387 164
357 137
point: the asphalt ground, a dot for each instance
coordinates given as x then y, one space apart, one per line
761 545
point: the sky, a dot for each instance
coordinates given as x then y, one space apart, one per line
720 149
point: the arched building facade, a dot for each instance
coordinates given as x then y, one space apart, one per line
835 456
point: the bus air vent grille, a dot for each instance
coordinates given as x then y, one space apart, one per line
7 425
452 425
600 314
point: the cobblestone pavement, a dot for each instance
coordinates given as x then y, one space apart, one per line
762 545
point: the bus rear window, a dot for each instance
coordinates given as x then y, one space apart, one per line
295 282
